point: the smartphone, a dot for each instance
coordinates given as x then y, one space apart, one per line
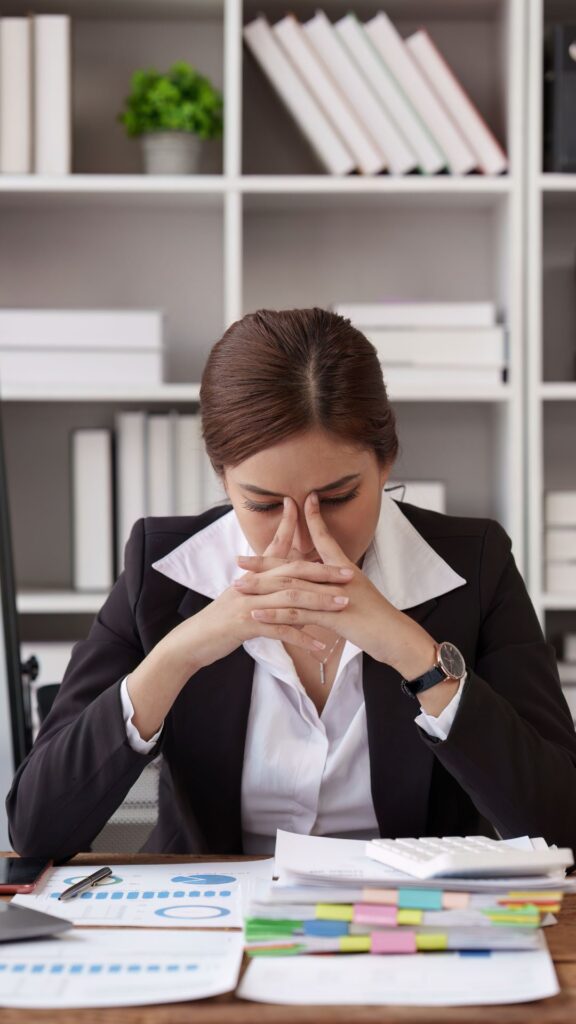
22 874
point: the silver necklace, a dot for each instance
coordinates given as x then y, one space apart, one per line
325 659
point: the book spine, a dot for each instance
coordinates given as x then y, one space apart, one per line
561 544
560 508
92 506
189 461
15 96
319 131
131 483
490 156
293 39
160 476
81 329
52 94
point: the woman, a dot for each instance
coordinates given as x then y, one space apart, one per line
273 651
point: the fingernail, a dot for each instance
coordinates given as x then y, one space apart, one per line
259 615
347 572
245 559
313 499
341 600
319 645
239 583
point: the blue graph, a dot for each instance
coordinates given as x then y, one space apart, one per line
192 911
135 894
60 968
204 879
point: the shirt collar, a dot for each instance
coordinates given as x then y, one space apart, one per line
399 562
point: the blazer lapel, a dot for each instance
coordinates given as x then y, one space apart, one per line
400 763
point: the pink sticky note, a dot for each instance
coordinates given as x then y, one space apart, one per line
370 913
388 896
398 941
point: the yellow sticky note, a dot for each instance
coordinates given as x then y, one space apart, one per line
431 940
334 912
409 917
355 943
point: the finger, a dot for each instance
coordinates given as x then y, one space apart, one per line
297 598
296 617
325 544
290 635
277 570
281 542
270 583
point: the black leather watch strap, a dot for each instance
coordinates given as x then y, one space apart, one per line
412 689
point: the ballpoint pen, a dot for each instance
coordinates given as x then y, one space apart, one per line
85 883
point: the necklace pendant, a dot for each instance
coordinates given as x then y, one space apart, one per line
322 676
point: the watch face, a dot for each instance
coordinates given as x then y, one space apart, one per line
451 661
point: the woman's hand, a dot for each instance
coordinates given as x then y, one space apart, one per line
367 618
306 588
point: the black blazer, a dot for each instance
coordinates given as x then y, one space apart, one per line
509 761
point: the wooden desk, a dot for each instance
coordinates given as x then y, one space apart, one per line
229 1010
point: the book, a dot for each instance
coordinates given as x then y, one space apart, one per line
430 494
561 577
92 509
490 157
559 99
560 508
160 500
332 51
418 314
81 328
433 378
369 62
325 89
189 460
560 544
52 94
322 136
469 346
15 96
29 368
130 475
391 47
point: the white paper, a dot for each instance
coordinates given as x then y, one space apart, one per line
318 860
119 968
197 895
421 979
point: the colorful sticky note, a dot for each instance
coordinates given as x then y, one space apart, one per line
393 942
409 917
370 913
420 899
355 944
389 897
332 929
334 912
456 900
431 940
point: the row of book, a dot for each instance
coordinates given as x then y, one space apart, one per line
35 95
74 348
560 541
150 465
369 101
330 898
433 344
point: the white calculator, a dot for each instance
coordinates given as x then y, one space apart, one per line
465 857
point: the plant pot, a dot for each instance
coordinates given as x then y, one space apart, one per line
171 152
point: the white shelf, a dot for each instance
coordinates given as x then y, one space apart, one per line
558 182
166 393
559 391
50 602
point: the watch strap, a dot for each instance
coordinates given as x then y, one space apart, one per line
431 678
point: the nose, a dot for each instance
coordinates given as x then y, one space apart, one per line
302 539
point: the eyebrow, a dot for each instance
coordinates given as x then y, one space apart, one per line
319 490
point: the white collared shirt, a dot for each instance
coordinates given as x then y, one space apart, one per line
303 771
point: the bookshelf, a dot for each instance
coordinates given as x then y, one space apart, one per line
550 326
260 225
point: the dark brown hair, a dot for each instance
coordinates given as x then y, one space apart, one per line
276 373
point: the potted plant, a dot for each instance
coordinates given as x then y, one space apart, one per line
172 113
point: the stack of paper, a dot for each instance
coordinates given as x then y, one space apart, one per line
433 344
330 897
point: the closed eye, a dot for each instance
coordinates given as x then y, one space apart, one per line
254 506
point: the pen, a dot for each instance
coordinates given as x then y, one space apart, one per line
85 883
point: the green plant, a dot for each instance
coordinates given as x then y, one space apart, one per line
180 101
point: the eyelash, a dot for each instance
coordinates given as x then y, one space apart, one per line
253 507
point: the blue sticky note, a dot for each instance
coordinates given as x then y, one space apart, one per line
332 929
420 899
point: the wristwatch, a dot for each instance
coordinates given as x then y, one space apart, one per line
449 664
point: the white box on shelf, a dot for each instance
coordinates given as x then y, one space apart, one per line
139 329
20 368
417 314
436 377
561 544
52 94
92 510
560 508
561 577
430 494
481 346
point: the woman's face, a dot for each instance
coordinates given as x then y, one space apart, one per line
347 480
